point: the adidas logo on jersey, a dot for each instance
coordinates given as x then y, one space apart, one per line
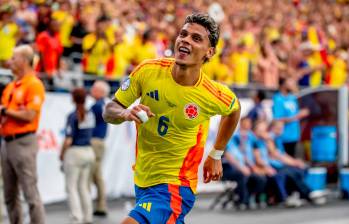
146 206
154 94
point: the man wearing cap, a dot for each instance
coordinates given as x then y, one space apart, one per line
20 111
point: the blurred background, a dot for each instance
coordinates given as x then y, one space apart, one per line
262 43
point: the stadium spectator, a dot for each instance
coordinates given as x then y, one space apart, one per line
44 12
310 67
9 33
76 37
238 165
260 43
20 112
286 109
66 21
340 68
50 50
294 169
26 18
98 50
276 187
241 64
146 48
78 157
258 113
99 91
267 68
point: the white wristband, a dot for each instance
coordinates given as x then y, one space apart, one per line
142 115
216 154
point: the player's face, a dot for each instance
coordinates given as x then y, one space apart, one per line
192 45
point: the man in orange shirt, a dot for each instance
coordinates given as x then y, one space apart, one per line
20 111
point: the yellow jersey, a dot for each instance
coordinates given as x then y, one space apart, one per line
170 145
66 22
316 76
338 73
96 54
241 66
8 34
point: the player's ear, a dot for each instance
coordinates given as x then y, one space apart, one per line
209 54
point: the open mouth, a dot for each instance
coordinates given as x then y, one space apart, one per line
184 50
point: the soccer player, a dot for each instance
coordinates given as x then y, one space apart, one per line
179 100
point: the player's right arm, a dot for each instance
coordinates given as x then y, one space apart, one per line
117 110
116 113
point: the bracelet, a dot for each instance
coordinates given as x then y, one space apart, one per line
216 154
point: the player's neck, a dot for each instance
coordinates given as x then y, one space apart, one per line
185 75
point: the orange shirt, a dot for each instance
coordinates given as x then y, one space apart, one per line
50 48
26 93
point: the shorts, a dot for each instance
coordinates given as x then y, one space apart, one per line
162 204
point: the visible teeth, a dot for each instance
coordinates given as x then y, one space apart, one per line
183 49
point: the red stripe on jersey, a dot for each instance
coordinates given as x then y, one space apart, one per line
191 163
162 64
176 203
216 94
168 60
200 79
136 150
228 97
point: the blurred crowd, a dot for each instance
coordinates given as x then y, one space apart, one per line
260 43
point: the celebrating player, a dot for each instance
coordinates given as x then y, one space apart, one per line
179 100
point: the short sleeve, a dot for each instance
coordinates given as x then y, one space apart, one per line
254 142
88 41
236 140
35 96
69 126
131 89
227 101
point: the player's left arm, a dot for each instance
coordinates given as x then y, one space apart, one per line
213 165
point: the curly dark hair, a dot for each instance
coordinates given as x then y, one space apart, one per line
210 25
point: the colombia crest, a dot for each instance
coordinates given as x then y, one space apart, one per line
191 111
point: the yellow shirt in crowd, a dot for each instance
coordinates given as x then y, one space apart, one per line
66 22
8 34
96 54
241 64
316 76
338 73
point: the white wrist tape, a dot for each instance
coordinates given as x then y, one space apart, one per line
142 115
216 154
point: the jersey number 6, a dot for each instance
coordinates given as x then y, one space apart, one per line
163 125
